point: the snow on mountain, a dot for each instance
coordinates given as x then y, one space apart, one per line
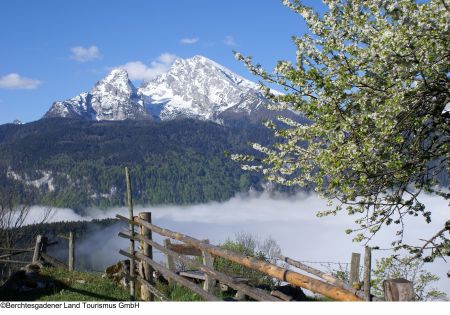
197 87
112 98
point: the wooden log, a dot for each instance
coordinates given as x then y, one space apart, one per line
209 284
272 270
258 295
354 270
131 230
71 262
170 274
367 272
12 254
17 249
147 250
325 276
398 290
37 248
14 261
9 255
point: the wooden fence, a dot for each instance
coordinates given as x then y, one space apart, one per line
38 253
328 286
142 260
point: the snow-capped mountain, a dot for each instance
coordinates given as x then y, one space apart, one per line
199 88
112 98
196 88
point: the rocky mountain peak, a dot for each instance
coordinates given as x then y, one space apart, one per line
112 98
200 88
196 87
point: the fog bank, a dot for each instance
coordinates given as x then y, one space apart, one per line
291 221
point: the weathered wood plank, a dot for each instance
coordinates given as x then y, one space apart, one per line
37 248
147 250
208 260
193 274
184 249
354 270
398 290
71 252
170 263
281 295
367 273
53 261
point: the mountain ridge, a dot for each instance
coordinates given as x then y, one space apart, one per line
192 88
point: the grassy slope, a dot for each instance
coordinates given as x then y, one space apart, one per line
70 286
83 286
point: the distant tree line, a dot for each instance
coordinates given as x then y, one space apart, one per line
181 161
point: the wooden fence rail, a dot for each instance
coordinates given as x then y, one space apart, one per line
267 268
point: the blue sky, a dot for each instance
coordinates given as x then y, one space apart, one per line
53 50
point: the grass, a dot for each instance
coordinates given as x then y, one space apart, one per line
177 293
63 285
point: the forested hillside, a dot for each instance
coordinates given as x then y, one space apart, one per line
78 164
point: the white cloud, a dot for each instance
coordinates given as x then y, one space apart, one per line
189 41
229 41
82 54
137 70
15 81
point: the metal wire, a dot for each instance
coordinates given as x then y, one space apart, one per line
318 262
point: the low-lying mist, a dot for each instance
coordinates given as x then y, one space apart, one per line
291 221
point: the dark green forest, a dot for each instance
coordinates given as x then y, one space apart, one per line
178 161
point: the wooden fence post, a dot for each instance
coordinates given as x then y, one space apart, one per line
71 252
146 250
170 263
367 271
354 270
37 249
398 290
209 284
131 229
44 244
